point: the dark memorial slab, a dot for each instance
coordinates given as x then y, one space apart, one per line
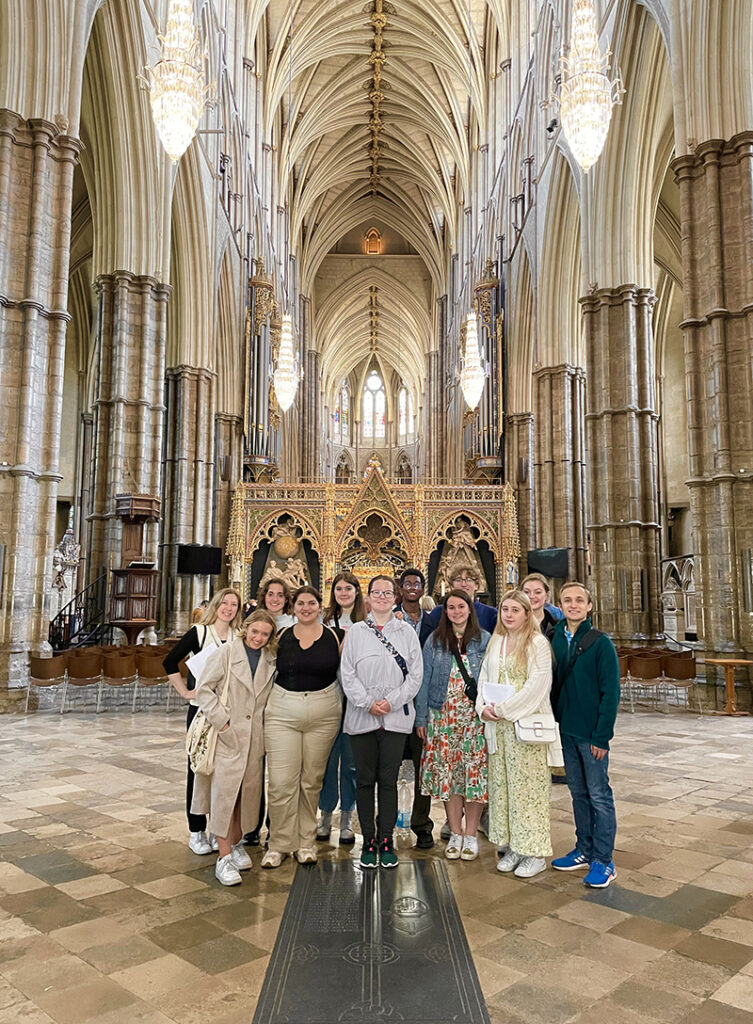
371 946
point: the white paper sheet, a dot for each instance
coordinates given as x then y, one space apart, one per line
197 663
495 693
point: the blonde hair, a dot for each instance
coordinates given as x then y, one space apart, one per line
210 612
262 615
527 633
536 577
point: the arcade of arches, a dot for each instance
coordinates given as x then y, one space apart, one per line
141 301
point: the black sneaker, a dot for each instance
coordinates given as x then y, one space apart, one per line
387 856
424 840
252 838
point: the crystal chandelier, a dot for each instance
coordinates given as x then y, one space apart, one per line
288 372
587 95
177 89
472 376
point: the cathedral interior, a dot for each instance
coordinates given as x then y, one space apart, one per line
381 303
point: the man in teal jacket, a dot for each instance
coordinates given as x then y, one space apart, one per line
585 696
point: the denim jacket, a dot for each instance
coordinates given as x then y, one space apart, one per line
438 665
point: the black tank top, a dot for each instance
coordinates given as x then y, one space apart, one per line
314 668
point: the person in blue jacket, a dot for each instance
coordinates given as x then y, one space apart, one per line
468 580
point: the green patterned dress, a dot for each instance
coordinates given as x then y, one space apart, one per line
519 784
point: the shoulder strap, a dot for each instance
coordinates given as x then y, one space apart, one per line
467 677
402 663
586 641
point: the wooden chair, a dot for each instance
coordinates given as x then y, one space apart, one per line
150 674
84 669
647 673
679 673
627 693
118 671
46 673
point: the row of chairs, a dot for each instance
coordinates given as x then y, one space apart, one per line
654 674
86 668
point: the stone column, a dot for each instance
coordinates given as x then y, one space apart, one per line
128 406
311 434
716 191
558 462
518 472
188 483
228 471
36 175
622 468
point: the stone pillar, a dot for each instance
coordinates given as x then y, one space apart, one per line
228 432
716 191
188 483
558 462
519 469
622 468
128 406
311 433
36 176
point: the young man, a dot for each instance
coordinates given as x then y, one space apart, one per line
585 696
468 581
412 584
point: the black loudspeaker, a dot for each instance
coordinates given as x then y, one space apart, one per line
199 560
551 562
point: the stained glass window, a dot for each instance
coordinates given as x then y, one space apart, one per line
374 406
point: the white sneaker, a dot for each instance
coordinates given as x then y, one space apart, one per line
240 858
272 859
347 835
325 827
483 825
227 873
510 861
213 843
445 832
530 866
453 848
198 843
305 856
470 848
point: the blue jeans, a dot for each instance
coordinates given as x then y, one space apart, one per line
593 803
341 756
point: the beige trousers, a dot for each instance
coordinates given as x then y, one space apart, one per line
299 730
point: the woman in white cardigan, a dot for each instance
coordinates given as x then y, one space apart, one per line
518 656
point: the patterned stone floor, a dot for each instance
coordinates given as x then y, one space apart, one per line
105 916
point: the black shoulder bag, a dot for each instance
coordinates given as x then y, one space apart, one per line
470 686
586 641
401 662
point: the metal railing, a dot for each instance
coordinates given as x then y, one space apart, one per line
82 620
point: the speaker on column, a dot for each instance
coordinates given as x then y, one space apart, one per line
552 562
199 560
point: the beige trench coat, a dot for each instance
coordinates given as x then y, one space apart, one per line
238 763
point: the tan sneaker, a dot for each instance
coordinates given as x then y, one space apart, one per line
305 856
273 859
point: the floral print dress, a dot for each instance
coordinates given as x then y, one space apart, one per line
454 759
519 784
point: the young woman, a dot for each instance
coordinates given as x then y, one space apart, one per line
274 597
344 609
301 722
234 789
221 617
381 673
536 588
453 768
519 779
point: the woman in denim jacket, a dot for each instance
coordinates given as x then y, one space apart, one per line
454 761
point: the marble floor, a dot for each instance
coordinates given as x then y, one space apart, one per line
105 915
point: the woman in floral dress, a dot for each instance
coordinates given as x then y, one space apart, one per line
519 773
453 767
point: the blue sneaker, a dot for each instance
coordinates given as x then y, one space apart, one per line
571 861
600 875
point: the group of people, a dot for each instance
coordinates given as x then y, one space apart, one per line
328 701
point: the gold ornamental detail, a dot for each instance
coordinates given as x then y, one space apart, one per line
484 291
263 295
377 60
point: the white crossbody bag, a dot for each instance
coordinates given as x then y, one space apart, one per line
538 728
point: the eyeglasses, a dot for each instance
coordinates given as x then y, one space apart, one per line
382 593
463 579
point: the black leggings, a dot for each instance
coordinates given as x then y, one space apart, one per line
196 822
378 756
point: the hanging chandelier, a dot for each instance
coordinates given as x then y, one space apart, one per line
287 372
587 95
177 87
472 376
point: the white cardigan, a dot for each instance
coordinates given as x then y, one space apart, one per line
530 700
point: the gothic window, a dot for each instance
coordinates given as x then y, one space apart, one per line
341 416
374 408
342 471
406 420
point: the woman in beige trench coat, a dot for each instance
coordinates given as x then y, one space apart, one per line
233 793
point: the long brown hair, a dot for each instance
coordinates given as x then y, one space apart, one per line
210 612
261 596
527 633
333 609
444 634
